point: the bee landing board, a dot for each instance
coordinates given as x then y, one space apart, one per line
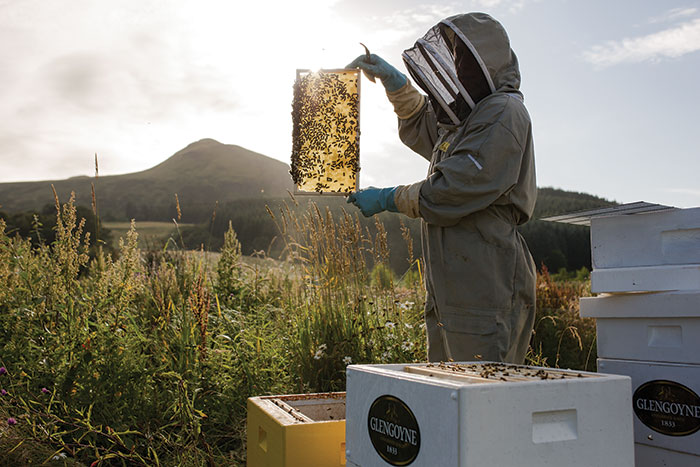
301 430
483 414
326 131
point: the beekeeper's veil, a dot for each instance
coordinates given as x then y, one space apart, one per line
460 61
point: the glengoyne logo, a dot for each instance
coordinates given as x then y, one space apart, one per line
667 407
393 430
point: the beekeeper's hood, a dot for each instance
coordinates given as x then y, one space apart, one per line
461 60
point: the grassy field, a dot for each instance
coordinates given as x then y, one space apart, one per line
150 233
148 358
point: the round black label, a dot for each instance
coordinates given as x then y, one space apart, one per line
393 430
667 407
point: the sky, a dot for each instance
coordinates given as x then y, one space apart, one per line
612 86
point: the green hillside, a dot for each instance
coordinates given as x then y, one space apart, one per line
553 201
201 174
244 183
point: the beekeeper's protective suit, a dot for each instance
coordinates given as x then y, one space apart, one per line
475 131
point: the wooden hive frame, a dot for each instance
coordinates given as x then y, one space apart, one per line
299 74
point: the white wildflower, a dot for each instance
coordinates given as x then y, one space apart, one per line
320 351
406 346
408 325
386 355
390 325
347 360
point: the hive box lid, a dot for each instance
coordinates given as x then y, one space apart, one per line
673 304
586 216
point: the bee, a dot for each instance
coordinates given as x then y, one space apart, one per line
325 131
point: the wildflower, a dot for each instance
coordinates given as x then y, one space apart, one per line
390 325
406 346
386 355
3 392
408 325
320 351
3 370
59 456
45 391
347 360
11 421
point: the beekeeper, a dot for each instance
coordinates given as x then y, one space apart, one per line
474 129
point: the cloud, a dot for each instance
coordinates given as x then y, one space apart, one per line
669 43
673 15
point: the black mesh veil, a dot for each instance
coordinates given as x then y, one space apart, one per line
446 66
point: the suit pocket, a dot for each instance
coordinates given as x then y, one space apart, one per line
478 274
466 322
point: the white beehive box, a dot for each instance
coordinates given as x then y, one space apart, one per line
647 456
660 327
646 252
483 414
665 403
646 239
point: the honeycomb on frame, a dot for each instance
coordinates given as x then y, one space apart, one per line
326 131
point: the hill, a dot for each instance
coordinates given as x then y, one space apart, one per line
201 174
244 183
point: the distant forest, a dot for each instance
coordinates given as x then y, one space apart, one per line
557 246
554 245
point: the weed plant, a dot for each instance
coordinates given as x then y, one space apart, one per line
148 357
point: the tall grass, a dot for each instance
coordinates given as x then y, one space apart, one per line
147 358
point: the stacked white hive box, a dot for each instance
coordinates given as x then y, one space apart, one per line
646 267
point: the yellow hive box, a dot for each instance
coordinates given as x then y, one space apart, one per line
301 430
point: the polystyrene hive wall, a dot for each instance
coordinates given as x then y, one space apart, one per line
558 422
662 430
647 456
646 279
296 430
661 327
647 239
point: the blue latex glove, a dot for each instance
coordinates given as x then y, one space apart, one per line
377 67
374 200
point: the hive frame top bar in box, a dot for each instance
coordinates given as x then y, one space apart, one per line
482 414
326 132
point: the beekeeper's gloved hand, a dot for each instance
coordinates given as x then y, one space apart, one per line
374 200
376 67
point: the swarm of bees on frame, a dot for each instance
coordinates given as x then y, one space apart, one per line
326 134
